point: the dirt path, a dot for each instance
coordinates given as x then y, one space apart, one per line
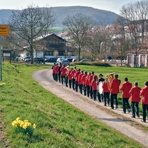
132 128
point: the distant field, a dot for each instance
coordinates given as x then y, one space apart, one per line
58 123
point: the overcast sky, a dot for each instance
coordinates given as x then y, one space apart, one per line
111 5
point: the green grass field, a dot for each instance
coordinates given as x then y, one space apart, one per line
59 125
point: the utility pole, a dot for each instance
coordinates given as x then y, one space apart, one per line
0 59
4 31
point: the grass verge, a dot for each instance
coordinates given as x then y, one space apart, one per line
58 123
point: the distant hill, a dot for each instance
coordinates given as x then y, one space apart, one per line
99 16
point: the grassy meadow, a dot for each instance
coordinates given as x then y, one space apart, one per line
59 125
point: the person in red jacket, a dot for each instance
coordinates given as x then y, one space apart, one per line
55 69
63 73
69 74
114 90
144 94
125 88
135 99
84 82
106 93
90 83
87 84
76 79
80 83
94 87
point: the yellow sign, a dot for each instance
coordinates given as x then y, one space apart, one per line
4 30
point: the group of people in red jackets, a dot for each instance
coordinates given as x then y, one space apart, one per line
87 84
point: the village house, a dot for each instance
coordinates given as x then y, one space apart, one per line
48 46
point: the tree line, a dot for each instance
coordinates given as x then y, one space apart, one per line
105 41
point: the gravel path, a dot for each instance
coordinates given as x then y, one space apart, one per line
132 128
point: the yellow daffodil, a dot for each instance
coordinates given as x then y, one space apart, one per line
34 126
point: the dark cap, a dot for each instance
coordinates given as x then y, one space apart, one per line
101 75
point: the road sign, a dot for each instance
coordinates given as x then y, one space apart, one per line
4 30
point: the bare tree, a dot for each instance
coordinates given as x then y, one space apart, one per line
31 23
78 26
136 16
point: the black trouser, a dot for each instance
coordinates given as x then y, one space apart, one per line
87 90
100 97
80 88
66 81
114 97
144 108
90 91
69 83
94 94
56 77
135 108
125 104
59 76
63 77
53 76
106 98
76 86
73 84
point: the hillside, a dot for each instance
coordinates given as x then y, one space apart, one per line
99 16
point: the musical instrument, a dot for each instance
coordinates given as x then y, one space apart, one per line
100 89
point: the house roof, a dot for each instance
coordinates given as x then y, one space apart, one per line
48 35
139 51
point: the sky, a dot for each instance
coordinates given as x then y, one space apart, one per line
110 5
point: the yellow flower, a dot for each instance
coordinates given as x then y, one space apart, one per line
34 125
18 118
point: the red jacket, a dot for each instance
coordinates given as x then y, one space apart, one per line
125 88
135 94
114 87
94 85
144 94
77 75
63 71
105 87
69 75
87 80
90 79
83 79
55 69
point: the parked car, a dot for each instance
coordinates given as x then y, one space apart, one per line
51 60
84 61
65 62
38 60
59 60
27 59
70 59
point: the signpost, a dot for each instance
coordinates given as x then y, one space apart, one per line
4 31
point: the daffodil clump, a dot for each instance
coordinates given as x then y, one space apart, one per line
24 126
2 83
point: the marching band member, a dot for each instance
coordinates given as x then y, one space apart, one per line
135 99
106 92
114 90
144 94
84 83
90 82
76 79
100 96
80 83
63 72
94 87
125 88
87 84
70 77
73 77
